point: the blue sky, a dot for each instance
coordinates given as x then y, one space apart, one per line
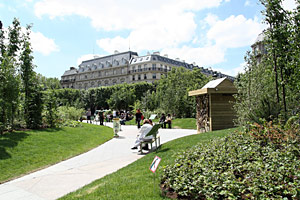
211 33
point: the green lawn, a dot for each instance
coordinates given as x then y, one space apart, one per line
136 181
22 152
181 123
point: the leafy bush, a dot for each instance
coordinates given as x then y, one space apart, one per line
235 167
69 116
70 113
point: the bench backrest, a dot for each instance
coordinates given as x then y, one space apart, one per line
154 130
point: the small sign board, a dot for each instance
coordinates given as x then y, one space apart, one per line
155 164
152 117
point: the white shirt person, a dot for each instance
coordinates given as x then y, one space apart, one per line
145 129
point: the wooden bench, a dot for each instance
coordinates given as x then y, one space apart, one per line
153 132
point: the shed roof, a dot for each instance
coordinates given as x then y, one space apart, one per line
222 86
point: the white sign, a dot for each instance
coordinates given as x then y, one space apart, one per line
155 164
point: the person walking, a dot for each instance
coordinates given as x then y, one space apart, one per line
101 117
162 120
88 116
138 118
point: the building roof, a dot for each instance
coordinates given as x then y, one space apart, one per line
214 83
157 57
221 86
70 72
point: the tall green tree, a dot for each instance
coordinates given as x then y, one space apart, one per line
32 89
122 98
48 83
172 91
9 77
270 89
278 46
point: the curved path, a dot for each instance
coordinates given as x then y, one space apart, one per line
69 175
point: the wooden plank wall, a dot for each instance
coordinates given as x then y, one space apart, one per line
222 113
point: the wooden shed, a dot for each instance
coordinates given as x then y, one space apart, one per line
215 105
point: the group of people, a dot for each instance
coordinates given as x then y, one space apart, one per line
144 130
164 120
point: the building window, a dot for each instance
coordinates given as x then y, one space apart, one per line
99 84
115 71
139 77
99 74
133 77
114 82
154 76
139 68
153 66
122 71
145 76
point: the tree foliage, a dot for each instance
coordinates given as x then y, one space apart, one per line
172 91
269 88
32 90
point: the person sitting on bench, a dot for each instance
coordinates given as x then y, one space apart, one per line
146 128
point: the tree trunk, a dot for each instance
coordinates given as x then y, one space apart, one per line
276 75
283 92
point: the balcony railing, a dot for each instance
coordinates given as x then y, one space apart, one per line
68 81
148 69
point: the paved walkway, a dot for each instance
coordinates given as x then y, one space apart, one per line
70 175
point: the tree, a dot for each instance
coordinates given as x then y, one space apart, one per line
277 75
50 115
9 78
122 98
172 91
31 87
48 83
278 46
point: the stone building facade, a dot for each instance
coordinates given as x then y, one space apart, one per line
125 67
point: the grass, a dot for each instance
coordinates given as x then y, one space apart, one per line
136 181
22 152
180 123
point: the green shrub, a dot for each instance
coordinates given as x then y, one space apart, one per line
69 116
70 113
235 167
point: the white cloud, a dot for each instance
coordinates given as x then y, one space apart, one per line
160 25
247 3
86 57
202 56
42 44
289 4
120 14
211 19
235 31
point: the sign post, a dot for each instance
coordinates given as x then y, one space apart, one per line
153 168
